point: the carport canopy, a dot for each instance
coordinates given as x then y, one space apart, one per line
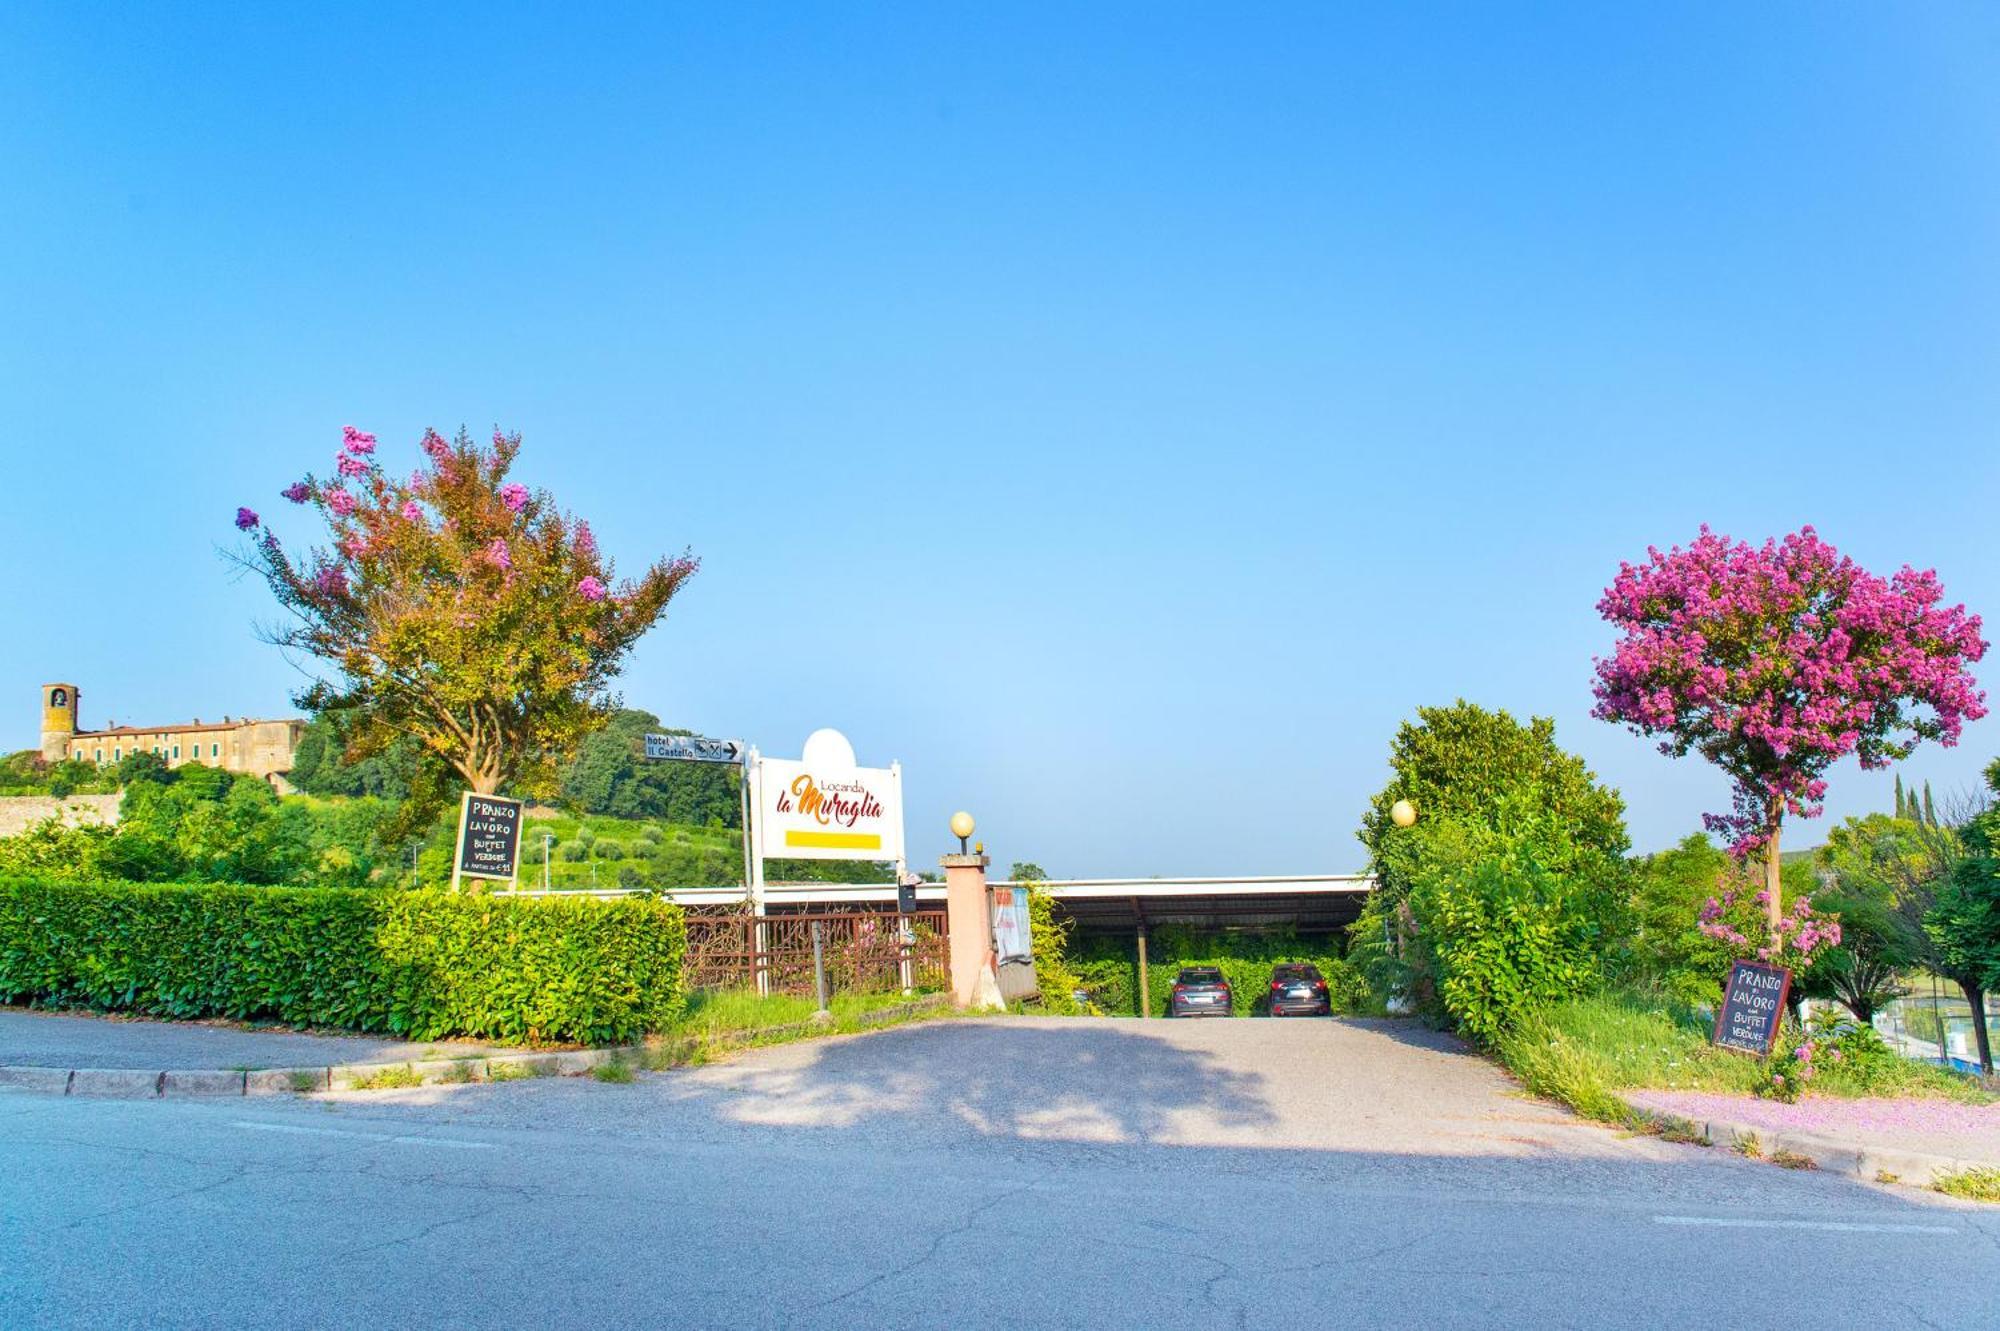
1123 906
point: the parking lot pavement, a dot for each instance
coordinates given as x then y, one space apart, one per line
1004 1172
66 1040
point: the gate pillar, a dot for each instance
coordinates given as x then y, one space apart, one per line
969 919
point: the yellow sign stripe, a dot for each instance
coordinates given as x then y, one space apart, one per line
835 840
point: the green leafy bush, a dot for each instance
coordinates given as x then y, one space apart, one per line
1504 935
421 964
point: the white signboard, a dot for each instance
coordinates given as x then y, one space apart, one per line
824 807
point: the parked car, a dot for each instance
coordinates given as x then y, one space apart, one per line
1299 990
1200 991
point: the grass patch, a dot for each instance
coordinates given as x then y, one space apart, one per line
725 1013
1584 1051
618 1074
394 1078
508 1072
1793 1160
1748 1146
305 1081
1973 1185
458 1073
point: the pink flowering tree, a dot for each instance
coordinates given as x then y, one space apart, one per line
1775 662
456 606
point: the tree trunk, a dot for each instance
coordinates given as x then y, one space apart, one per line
1774 908
1977 997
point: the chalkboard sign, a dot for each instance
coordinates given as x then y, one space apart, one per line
489 837
1752 1006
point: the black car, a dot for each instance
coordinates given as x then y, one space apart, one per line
1199 991
1299 990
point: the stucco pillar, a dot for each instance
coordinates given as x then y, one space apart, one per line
974 981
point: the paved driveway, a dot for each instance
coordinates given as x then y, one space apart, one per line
1011 1172
80 1040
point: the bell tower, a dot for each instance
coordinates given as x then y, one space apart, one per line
59 711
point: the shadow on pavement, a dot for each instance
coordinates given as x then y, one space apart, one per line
1083 1082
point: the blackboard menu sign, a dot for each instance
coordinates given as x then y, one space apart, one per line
1752 1006
489 837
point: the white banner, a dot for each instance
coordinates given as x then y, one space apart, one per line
813 810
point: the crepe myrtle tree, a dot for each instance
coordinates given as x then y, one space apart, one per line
456 606
1775 662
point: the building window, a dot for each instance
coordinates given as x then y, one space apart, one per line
117 755
214 749
177 750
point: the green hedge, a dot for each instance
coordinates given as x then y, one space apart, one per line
424 965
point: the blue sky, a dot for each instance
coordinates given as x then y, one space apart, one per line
1123 415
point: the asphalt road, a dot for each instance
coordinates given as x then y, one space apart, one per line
1008 1173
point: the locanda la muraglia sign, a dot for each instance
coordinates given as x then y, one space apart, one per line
824 806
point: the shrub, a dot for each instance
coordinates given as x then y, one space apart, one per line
1503 936
420 964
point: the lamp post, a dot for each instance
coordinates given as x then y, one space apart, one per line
962 827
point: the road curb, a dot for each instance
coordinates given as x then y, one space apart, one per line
1870 1163
149 1084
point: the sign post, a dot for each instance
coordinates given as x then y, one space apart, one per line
1753 1004
489 839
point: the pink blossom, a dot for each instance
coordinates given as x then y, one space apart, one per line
356 441
349 465
341 502
497 554
435 445
1775 662
586 544
590 589
355 546
514 495
412 511
331 581
246 518
298 492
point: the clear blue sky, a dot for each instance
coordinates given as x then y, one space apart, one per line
1122 415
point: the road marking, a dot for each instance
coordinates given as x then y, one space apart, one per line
451 1142
1837 1226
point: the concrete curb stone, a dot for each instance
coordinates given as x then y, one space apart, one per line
50 1080
1835 1155
202 1083
122 1082
286 1081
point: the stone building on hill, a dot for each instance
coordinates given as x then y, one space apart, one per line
235 744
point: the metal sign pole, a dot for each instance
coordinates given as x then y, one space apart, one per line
760 933
458 843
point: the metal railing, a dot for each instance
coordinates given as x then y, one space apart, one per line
865 951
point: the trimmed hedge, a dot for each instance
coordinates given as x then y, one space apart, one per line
420 964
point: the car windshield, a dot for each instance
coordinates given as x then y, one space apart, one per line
1295 973
1201 975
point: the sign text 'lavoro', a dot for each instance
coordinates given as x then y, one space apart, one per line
489 837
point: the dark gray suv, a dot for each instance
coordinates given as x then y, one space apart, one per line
1199 991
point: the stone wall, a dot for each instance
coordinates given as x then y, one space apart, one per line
18 813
